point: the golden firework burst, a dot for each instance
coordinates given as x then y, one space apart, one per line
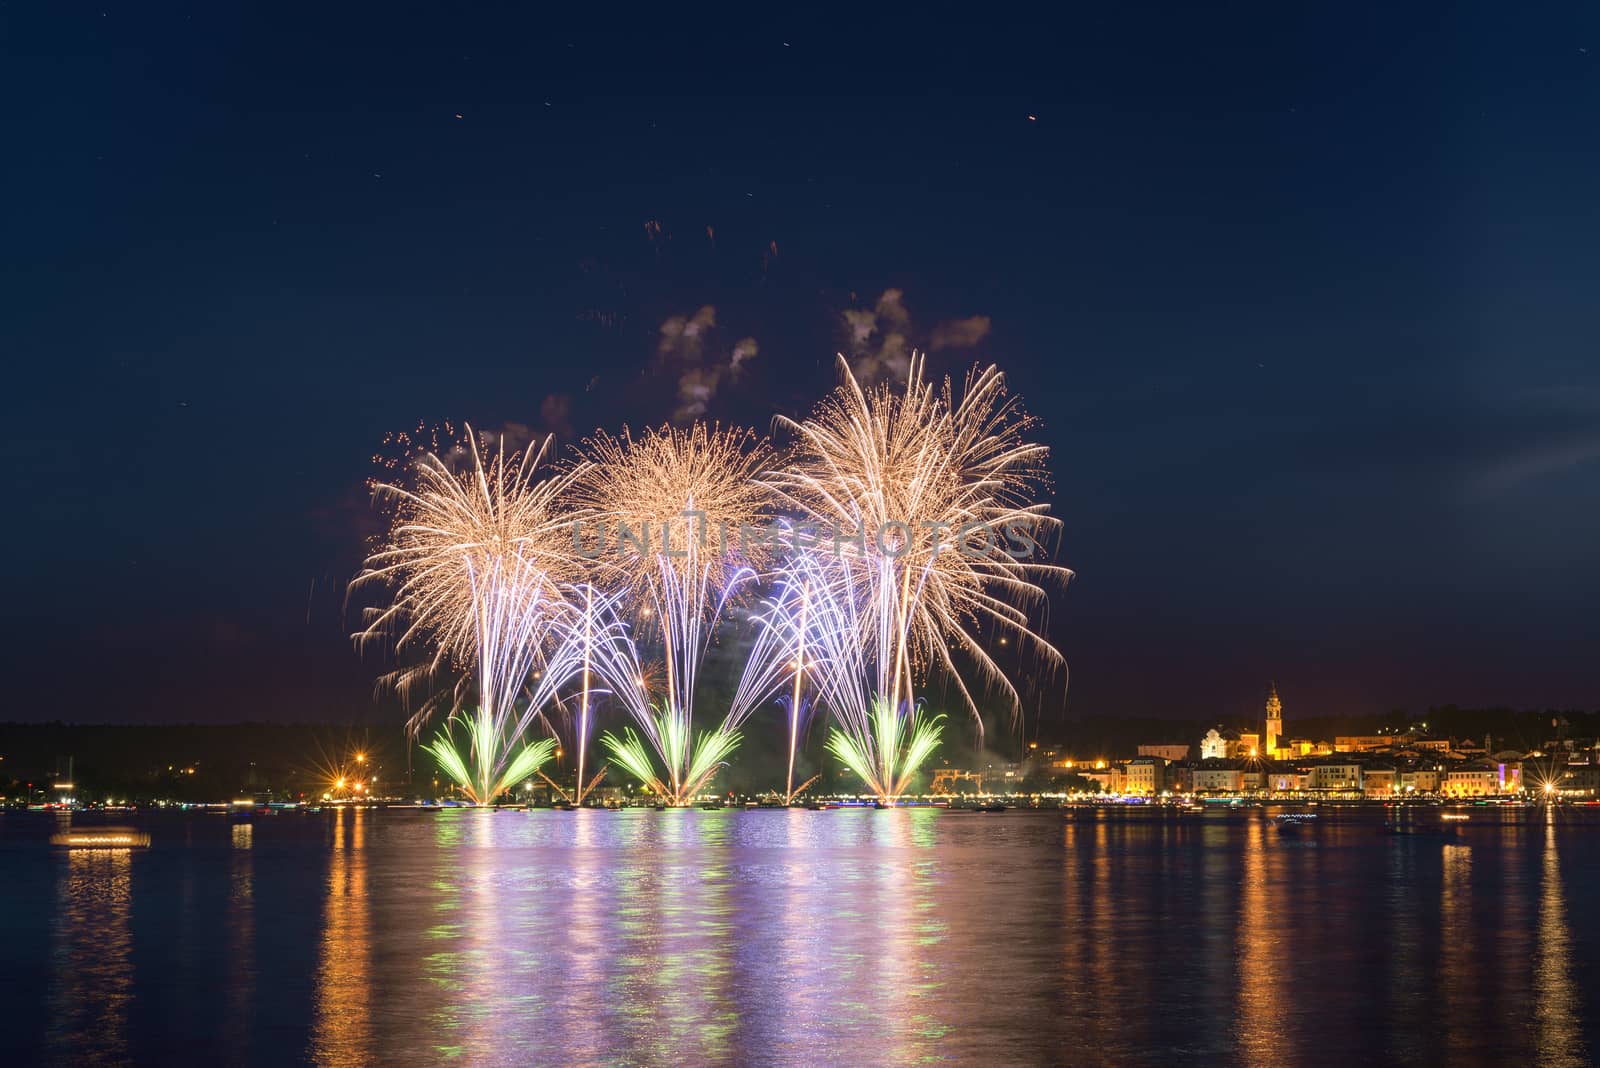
930 499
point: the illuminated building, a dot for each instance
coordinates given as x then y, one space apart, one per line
1213 746
1216 777
1510 776
1165 752
1420 780
1144 777
1380 781
1286 782
1341 775
1473 780
1101 777
1361 743
1580 780
1274 723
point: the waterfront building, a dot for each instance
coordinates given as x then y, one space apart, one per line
1420 780
1213 746
1471 780
1216 777
1335 775
1144 777
1580 781
1286 781
1101 777
1380 781
1180 777
1510 775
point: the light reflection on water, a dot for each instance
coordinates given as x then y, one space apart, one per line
91 974
241 980
1556 1000
1260 1026
343 1029
793 937
1460 952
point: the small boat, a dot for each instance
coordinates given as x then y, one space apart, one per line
101 838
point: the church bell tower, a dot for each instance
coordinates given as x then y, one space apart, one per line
1274 723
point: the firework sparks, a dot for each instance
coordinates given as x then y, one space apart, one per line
683 761
517 623
450 532
883 740
678 502
930 496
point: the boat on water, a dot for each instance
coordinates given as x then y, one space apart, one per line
1294 823
101 838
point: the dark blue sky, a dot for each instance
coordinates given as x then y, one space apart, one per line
1305 301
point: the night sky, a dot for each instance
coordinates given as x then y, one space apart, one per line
1306 305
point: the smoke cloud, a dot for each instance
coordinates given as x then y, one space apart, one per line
880 338
682 347
960 333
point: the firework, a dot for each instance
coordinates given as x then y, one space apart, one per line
678 503
665 753
452 532
518 622
785 619
483 772
929 496
799 679
883 740
584 632
476 560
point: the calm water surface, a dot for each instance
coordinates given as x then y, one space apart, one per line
791 937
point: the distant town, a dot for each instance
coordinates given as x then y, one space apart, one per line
1272 762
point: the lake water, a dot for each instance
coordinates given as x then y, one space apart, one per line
791 937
